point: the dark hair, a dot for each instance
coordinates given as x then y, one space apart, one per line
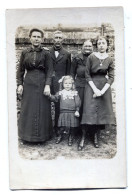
36 30
102 37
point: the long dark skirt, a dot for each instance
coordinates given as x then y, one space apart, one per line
35 123
81 95
97 111
55 87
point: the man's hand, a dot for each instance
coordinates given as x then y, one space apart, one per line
47 90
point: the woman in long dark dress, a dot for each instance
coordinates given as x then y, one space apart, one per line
78 70
34 79
78 67
97 107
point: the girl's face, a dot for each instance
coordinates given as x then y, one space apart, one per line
102 45
67 84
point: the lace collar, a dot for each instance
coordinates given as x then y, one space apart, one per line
101 56
68 94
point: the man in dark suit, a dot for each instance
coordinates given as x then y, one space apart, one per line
61 66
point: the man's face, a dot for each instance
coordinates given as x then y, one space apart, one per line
36 38
58 38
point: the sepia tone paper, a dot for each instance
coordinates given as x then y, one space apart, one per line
28 170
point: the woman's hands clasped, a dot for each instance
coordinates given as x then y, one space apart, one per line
97 93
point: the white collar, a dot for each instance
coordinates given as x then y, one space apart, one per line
67 91
101 56
68 94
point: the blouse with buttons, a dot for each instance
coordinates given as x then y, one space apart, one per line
32 59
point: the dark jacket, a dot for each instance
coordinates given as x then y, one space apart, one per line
61 66
78 69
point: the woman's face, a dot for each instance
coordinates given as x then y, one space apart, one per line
102 45
36 38
87 47
67 84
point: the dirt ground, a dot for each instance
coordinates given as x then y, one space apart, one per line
50 150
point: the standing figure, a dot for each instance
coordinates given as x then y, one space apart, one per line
34 79
78 68
97 107
69 108
61 67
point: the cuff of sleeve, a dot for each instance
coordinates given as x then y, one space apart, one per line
77 109
110 81
19 83
89 80
48 82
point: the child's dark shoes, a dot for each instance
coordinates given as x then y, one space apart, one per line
70 141
58 140
80 147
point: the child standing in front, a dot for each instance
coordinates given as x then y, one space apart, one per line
69 108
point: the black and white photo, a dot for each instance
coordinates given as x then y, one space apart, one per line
66 98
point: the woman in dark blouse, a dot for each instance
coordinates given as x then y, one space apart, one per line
78 70
97 107
34 80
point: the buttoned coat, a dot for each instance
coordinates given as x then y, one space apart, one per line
78 67
61 66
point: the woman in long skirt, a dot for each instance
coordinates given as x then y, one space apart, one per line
34 79
78 67
97 107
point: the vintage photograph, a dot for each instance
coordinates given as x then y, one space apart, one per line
81 121
66 98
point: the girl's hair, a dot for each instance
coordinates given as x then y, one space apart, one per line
66 78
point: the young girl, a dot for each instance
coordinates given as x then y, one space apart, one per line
97 107
69 108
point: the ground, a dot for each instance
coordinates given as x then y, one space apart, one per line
50 150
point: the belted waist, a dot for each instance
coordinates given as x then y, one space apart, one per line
82 78
36 70
98 75
66 111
